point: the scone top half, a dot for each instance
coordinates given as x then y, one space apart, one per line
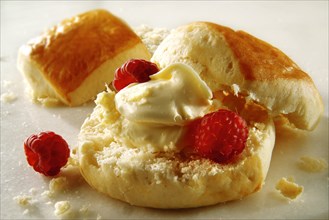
76 58
236 62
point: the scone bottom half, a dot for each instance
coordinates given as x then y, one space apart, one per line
167 179
72 61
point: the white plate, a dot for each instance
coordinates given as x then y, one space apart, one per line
300 29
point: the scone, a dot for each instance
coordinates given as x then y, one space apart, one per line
74 60
131 146
236 62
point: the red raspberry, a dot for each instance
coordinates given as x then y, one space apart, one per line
46 152
135 70
219 136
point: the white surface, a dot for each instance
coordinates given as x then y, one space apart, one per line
300 29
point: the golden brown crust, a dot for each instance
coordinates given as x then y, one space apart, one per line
225 58
69 52
258 58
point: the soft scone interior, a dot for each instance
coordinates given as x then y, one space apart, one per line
126 173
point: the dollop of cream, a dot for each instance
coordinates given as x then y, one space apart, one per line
174 96
154 113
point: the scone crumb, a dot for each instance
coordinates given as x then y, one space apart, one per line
33 191
311 164
23 200
59 184
6 84
99 217
26 211
84 209
48 194
47 101
62 208
288 188
8 97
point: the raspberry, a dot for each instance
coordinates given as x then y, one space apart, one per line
135 70
46 152
219 136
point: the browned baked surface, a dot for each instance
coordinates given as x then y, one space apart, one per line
257 58
73 49
238 62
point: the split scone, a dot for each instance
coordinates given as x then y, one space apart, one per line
133 146
235 61
74 60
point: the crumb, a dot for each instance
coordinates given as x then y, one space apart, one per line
288 188
73 159
33 191
59 184
57 116
311 164
6 84
26 211
47 101
84 209
25 125
23 200
63 208
48 194
8 97
99 217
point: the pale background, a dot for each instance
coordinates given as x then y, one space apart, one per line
299 28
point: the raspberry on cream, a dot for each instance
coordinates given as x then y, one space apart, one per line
173 96
154 112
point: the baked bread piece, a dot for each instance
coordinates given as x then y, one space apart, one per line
167 179
237 62
75 59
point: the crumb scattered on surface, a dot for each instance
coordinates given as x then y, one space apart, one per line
311 164
28 202
26 211
6 84
23 200
56 186
59 184
47 193
288 188
84 210
48 101
33 191
8 97
57 195
63 209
